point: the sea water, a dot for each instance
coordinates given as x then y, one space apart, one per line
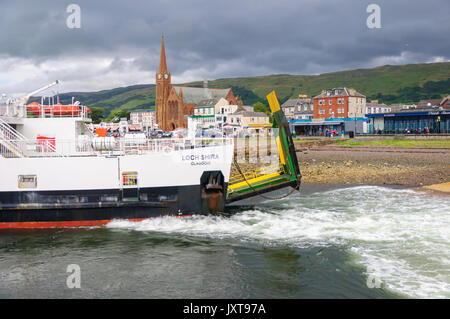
324 242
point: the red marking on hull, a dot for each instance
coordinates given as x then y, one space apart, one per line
65 224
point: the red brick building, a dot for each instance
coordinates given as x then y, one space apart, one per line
339 103
174 104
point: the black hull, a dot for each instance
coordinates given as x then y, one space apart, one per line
98 207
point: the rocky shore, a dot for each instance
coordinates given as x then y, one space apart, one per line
379 166
324 164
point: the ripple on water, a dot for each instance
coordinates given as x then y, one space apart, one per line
400 236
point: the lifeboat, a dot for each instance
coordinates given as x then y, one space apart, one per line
56 109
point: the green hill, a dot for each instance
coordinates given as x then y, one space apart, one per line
389 84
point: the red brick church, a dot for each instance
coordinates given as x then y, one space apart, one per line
175 103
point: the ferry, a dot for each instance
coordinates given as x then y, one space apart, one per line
55 172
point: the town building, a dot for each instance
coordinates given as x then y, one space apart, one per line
204 115
401 106
411 121
174 104
298 109
339 103
429 103
145 118
222 111
248 120
374 107
208 114
339 110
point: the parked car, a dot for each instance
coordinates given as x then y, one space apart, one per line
211 133
156 134
168 134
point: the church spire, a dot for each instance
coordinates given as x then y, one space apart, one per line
162 61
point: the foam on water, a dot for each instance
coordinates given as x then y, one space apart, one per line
401 237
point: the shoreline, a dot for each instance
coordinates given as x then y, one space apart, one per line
378 167
323 163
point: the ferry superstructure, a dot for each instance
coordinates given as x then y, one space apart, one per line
54 172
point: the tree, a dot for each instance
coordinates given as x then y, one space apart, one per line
116 115
260 107
97 114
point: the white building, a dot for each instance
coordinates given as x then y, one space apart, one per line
146 118
374 107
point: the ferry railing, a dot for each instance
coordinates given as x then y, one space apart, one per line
51 147
11 140
30 148
168 145
141 146
13 111
56 111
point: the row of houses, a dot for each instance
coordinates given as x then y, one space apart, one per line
229 118
341 109
208 114
346 110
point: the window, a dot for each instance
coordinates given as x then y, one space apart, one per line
339 101
320 102
329 101
27 181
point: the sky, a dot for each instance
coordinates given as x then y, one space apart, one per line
117 43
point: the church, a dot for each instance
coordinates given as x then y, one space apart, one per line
174 104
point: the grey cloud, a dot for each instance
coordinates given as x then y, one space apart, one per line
250 37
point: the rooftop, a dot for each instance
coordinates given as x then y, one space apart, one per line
339 92
194 95
296 102
431 102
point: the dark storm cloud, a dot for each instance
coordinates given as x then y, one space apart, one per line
227 38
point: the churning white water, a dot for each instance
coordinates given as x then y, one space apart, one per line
401 237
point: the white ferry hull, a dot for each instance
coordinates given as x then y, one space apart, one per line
85 191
